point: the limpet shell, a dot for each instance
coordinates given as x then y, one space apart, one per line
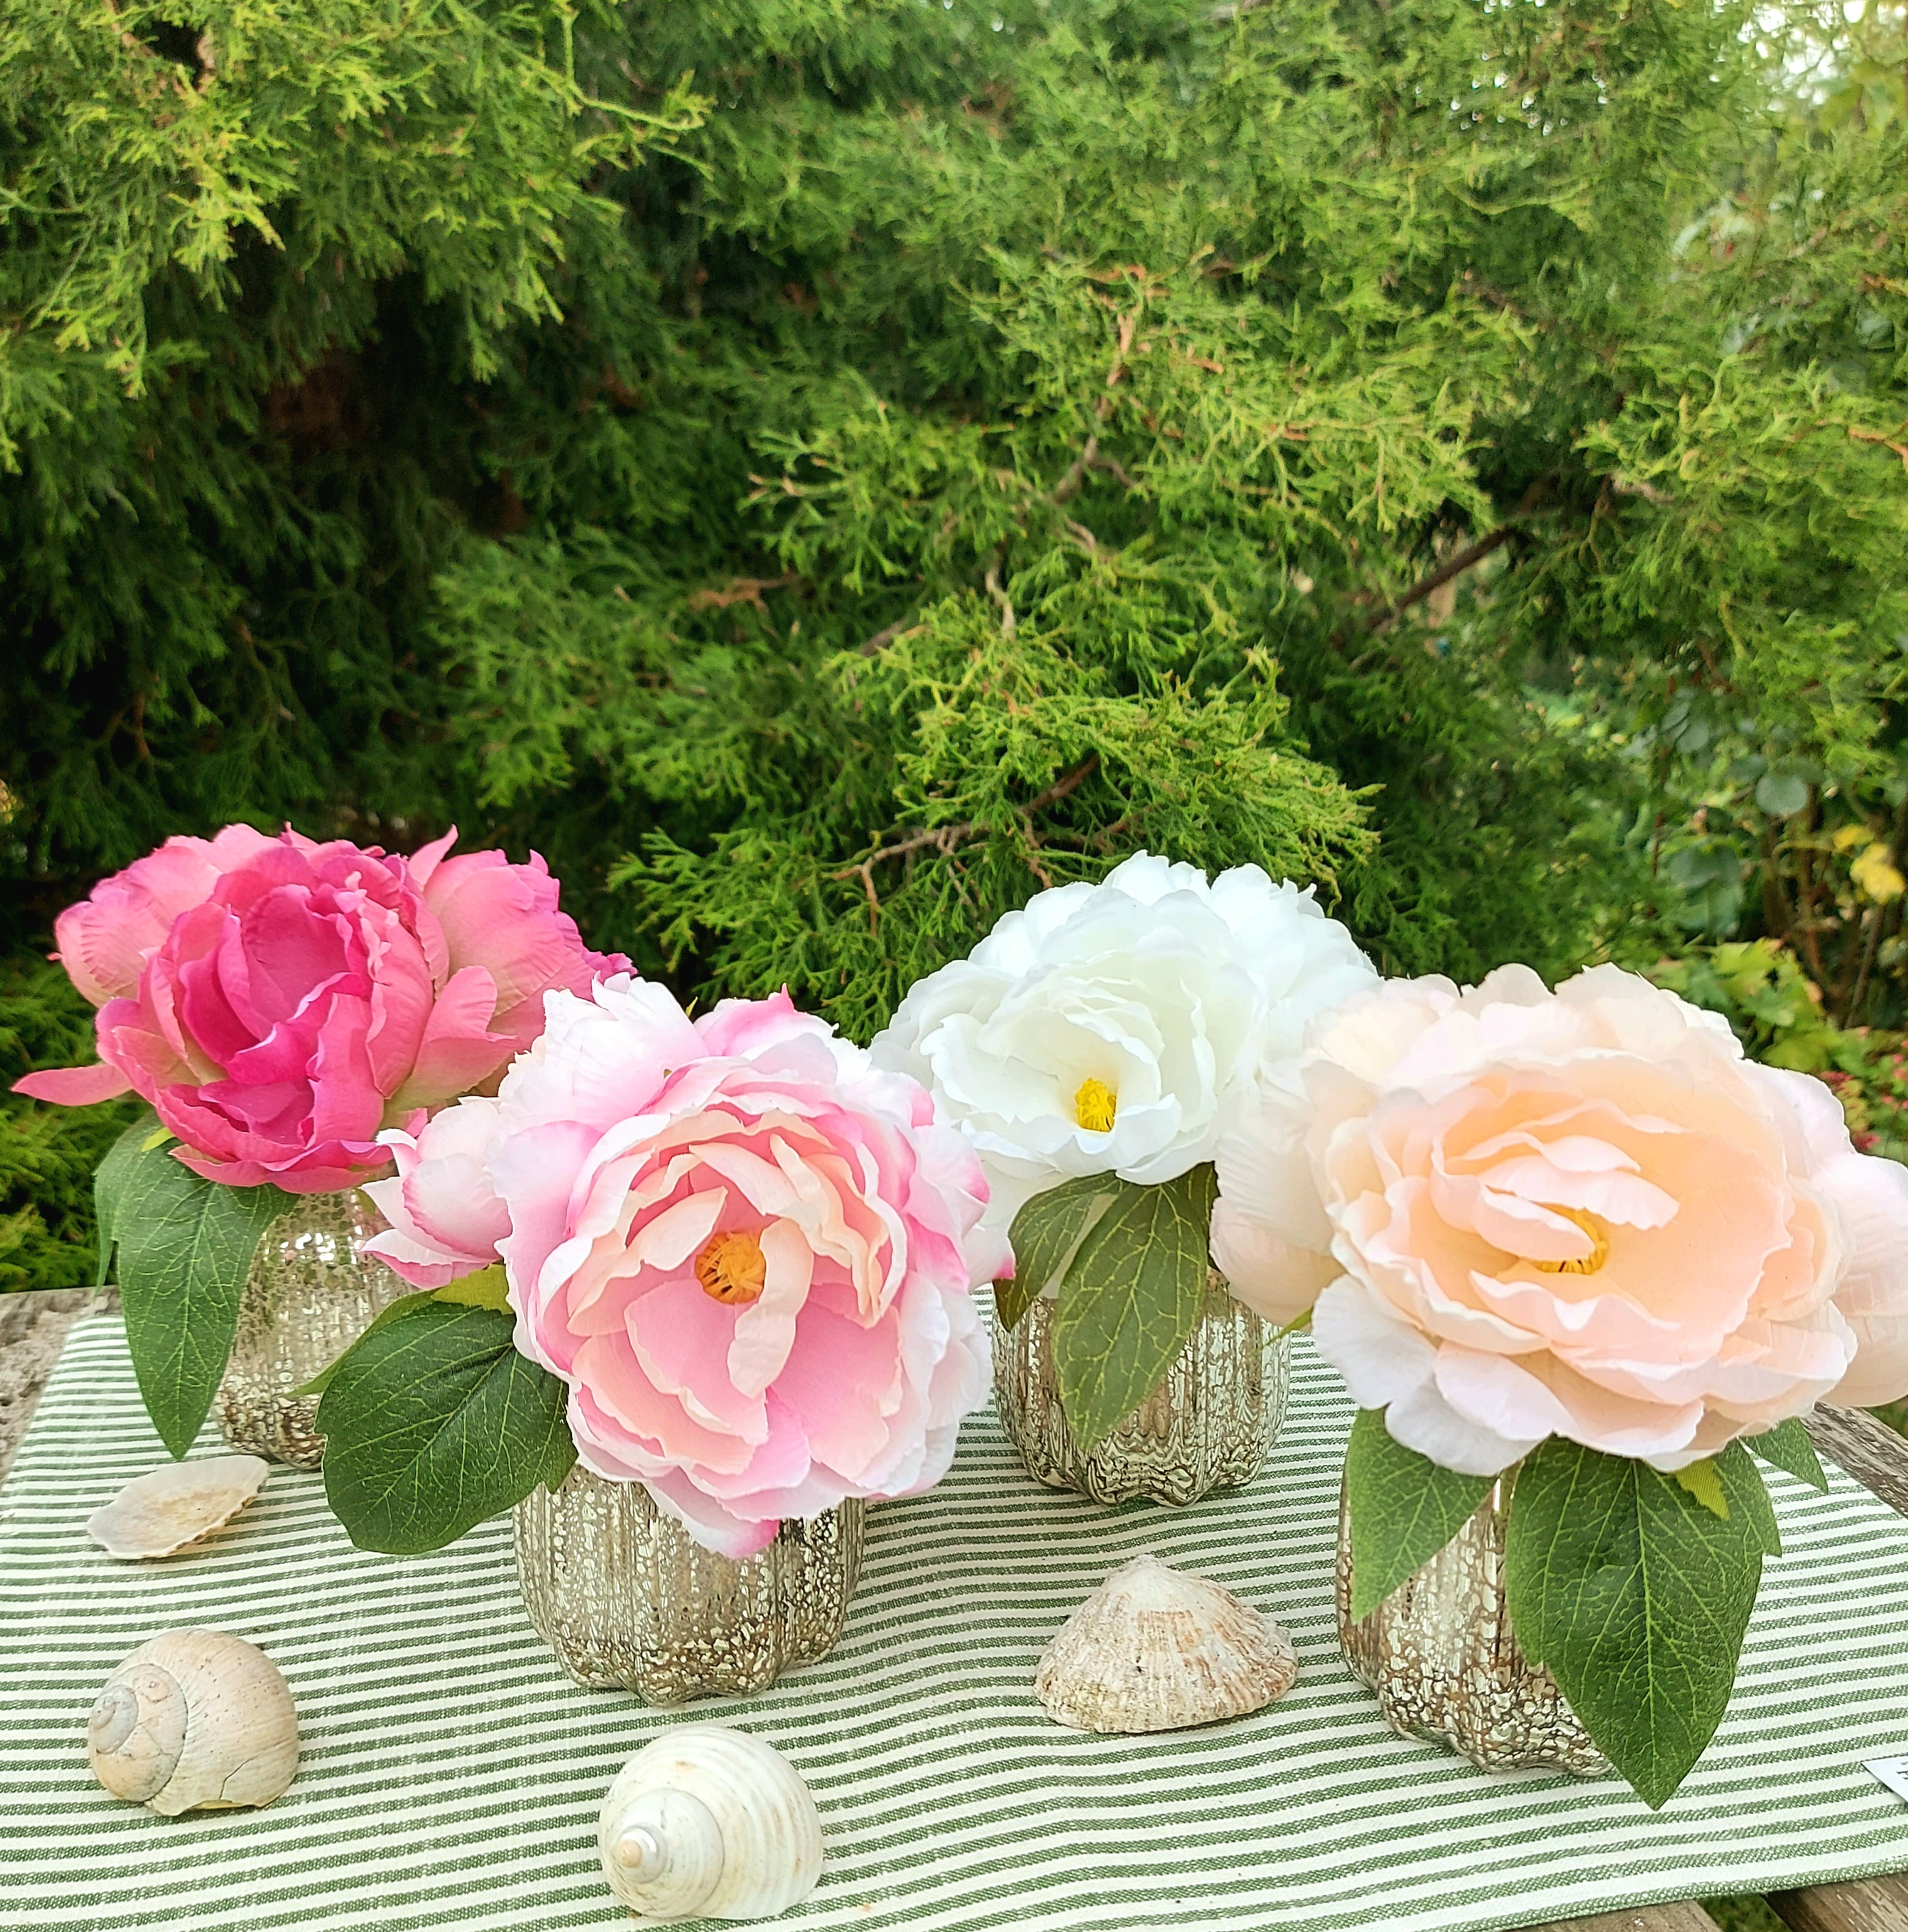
178 1503
1154 1649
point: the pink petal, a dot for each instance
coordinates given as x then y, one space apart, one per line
74 1086
457 1051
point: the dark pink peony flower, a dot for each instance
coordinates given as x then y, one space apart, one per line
280 1001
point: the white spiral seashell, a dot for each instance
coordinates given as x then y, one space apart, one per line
1154 1649
194 1720
709 1823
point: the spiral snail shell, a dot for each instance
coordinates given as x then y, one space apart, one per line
194 1720
709 1823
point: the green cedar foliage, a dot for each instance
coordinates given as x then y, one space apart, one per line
47 1154
820 474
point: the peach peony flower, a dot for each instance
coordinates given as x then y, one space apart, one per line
1583 1214
745 1248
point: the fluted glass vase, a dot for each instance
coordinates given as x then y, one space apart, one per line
626 1600
309 1295
1446 1665
1209 1425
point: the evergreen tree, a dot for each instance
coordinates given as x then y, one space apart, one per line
819 474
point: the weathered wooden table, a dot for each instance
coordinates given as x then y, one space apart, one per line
33 1326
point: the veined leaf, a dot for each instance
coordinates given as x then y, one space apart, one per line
1046 1235
1634 1597
433 1422
1703 1483
185 1245
1403 1508
484 1289
1134 1294
109 1179
1787 1446
1748 1495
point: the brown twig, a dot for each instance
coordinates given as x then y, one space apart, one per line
882 639
1464 559
947 839
1625 486
1009 622
741 590
1887 442
1068 486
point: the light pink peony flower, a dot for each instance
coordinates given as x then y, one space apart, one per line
1581 1214
280 1001
746 1250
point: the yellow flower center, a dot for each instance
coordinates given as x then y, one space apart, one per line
1094 1105
1599 1237
731 1268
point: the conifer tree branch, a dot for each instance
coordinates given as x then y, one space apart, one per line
1465 559
946 839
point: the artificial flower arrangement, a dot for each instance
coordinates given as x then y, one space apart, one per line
1087 1048
279 1002
727 1258
1572 1249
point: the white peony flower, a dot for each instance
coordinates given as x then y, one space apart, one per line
1100 1028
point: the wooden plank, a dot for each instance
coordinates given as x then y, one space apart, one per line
1685 1915
33 1326
1871 1451
1867 1905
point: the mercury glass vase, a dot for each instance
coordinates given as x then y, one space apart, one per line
308 1296
627 1600
1446 1665
1208 1424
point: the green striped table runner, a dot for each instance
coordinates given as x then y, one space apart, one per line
451 1774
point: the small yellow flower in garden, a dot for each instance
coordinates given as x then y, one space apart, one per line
1876 875
1094 1106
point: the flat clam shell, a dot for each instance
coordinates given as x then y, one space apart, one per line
1154 1649
175 1504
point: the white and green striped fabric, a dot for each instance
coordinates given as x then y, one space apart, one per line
451 1774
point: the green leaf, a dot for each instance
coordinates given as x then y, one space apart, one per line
1046 1236
433 1422
1403 1508
484 1289
1748 1495
1782 793
1133 1295
109 1179
1634 1597
185 1245
1703 1483
1787 1447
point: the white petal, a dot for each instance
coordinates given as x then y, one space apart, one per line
1871 1195
1270 1277
1425 1421
1381 1359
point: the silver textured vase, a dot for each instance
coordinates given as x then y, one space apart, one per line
308 1296
1208 1426
1446 1666
627 1600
